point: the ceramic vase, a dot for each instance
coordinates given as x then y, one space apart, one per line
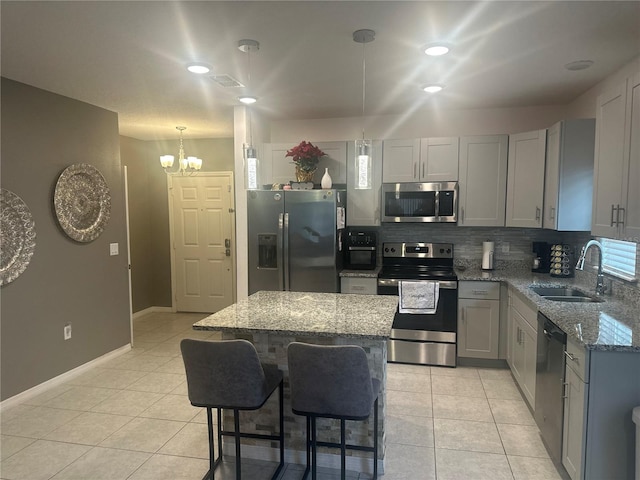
326 181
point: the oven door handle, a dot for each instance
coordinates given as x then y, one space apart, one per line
393 282
362 249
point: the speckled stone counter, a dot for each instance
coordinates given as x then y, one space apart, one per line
583 322
271 321
303 313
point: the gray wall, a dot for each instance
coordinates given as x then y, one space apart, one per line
66 281
149 210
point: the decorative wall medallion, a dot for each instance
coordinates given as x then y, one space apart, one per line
17 236
82 202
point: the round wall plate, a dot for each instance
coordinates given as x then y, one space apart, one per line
82 202
17 236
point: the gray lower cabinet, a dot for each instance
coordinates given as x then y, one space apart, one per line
361 285
522 348
601 390
575 395
478 319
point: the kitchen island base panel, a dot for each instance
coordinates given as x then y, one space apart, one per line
272 349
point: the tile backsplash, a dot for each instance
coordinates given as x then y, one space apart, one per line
512 245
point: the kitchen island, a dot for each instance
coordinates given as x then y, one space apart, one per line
272 320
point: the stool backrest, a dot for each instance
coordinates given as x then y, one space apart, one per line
224 373
331 381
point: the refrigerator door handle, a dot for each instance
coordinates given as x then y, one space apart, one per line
286 252
279 249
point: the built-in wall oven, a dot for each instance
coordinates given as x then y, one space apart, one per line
422 338
362 247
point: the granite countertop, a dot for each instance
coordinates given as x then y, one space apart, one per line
611 325
361 273
304 313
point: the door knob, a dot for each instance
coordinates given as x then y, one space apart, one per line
227 243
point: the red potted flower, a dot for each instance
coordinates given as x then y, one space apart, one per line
305 157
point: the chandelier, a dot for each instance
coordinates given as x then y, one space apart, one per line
186 165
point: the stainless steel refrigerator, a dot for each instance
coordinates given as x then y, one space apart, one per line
295 239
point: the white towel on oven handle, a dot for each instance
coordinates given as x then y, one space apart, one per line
418 296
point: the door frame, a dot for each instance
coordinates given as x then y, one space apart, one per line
170 178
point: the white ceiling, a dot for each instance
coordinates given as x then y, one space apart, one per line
130 57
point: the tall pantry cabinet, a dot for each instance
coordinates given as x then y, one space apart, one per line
616 201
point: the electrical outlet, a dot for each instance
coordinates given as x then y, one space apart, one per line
113 249
67 331
506 247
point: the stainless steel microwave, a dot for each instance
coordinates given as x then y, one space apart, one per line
420 202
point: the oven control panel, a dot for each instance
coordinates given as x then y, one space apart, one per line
417 250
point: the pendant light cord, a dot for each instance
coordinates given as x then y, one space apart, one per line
249 86
364 70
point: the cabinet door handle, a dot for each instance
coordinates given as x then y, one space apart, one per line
564 390
552 213
570 356
462 214
613 209
624 212
538 213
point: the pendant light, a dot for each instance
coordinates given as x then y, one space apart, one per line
364 148
251 164
186 165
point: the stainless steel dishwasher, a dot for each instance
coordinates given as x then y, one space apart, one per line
550 385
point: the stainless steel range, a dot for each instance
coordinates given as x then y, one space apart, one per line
422 338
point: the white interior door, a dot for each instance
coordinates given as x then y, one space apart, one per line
203 250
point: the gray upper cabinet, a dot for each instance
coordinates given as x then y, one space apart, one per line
276 167
525 179
616 203
400 159
420 160
568 182
439 159
482 180
363 206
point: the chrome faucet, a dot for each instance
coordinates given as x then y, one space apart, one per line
601 288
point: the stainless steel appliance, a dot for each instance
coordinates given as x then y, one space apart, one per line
295 240
550 385
420 202
362 249
426 339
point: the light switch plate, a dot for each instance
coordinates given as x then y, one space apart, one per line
113 249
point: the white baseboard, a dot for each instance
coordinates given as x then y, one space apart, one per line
60 379
299 457
149 310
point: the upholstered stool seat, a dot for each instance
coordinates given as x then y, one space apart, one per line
228 374
332 382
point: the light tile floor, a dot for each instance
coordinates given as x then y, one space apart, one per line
131 419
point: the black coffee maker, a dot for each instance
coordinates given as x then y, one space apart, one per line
541 257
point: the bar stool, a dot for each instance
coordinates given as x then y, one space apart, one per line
332 382
228 374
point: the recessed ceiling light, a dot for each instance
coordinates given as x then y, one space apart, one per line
248 99
435 50
579 65
432 88
199 68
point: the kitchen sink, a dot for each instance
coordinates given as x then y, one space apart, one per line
560 298
565 294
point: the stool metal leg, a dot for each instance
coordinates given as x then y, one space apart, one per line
375 439
212 463
343 451
314 450
236 425
219 435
